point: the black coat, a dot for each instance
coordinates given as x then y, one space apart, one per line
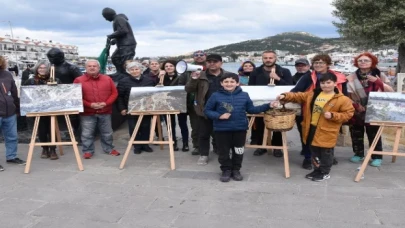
260 77
124 89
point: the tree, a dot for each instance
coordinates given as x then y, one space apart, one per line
234 56
372 23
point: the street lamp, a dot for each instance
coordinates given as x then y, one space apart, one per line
13 42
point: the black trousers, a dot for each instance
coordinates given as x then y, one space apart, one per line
231 149
206 132
122 54
195 123
357 134
305 148
322 158
257 134
182 119
144 129
44 130
173 121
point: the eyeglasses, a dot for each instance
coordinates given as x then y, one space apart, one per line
199 55
319 63
363 61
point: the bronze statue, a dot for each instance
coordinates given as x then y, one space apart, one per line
65 71
123 37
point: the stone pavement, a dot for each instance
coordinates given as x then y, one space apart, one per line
147 194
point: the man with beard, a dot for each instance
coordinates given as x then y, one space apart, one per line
261 76
123 37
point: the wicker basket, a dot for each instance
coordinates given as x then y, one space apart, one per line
279 119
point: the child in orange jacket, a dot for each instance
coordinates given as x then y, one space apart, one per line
324 113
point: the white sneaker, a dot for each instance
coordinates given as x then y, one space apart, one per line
203 160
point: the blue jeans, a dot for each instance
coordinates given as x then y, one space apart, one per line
89 124
8 126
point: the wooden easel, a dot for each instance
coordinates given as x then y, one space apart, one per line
155 119
266 135
55 136
394 153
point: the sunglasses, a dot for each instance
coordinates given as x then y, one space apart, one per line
199 55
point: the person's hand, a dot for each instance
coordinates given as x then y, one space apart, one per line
274 75
102 104
274 104
124 112
195 74
280 97
225 116
371 78
327 115
95 105
162 73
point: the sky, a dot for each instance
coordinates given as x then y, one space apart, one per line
165 27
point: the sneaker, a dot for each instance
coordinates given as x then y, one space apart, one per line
320 177
259 152
277 153
236 175
307 164
312 174
87 155
137 150
376 162
1 168
195 152
115 153
16 161
147 149
226 176
185 147
356 159
203 160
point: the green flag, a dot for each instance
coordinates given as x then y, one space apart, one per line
102 59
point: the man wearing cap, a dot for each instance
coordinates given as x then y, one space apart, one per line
199 59
261 76
203 84
302 66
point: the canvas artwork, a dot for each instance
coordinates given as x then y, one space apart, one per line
385 107
166 98
45 98
265 94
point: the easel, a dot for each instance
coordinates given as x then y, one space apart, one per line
394 153
155 119
55 135
264 145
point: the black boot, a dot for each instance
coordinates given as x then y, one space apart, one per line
175 147
45 152
185 147
53 154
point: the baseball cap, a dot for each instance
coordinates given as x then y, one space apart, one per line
214 57
301 61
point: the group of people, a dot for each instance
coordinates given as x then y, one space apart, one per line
217 107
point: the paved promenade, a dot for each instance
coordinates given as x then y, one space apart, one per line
147 194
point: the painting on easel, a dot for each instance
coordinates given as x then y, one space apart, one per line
55 98
265 94
166 98
385 107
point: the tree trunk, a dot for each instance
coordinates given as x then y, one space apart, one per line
401 58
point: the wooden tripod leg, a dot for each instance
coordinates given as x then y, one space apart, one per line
285 151
131 141
74 143
32 144
369 153
160 134
170 141
152 128
396 143
58 137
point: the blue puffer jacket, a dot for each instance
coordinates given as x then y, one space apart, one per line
238 103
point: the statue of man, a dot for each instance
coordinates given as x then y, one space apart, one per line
65 71
123 37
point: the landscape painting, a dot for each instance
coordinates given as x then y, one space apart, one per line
51 98
165 98
265 94
386 107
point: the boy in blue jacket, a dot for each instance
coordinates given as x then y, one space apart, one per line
227 108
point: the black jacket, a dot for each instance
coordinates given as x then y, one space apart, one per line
124 89
297 76
9 104
67 72
260 77
25 75
123 31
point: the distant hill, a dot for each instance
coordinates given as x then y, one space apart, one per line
293 42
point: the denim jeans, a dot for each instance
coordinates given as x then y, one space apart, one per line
89 124
8 126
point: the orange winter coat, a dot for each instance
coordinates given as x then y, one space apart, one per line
327 130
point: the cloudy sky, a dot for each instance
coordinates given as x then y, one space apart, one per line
165 27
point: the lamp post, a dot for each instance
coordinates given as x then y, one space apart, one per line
13 42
